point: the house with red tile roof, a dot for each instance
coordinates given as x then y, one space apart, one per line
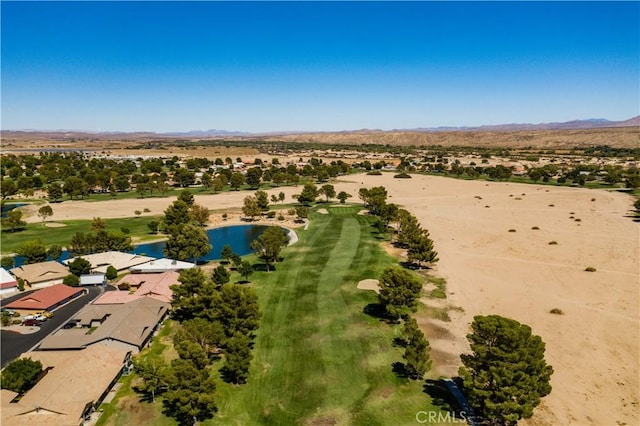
47 298
156 286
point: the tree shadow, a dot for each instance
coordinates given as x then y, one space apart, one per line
376 310
399 342
441 397
400 370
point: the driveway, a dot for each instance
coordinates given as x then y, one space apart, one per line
13 344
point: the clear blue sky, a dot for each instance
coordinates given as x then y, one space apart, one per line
273 66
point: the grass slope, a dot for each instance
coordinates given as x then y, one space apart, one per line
318 358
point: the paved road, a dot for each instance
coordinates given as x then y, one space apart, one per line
13 344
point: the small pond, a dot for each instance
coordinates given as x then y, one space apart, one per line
8 207
239 237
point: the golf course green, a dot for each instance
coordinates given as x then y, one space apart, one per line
318 358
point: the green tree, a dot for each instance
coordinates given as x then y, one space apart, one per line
308 195
302 212
506 374
262 200
74 187
20 375
269 244
236 181
7 262
54 252
250 207
186 197
236 308
45 211
33 251
220 275
176 214
236 259
217 184
190 394
253 177
111 273
184 177
8 188
328 191
153 226
199 214
54 192
237 359
13 221
421 249
206 180
208 335
416 351
226 253
71 280
79 266
187 242
342 196
98 224
154 376
245 269
399 292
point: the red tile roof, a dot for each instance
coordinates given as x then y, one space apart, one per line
45 298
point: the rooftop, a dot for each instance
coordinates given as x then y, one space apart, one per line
45 298
119 260
40 272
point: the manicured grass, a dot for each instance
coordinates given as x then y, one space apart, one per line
127 408
317 356
9 241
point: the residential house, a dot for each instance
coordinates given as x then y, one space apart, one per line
157 286
74 385
161 265
8 283
46 299
119 260
127 326
40 275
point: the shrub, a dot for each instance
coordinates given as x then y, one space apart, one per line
137 212
556 311
112 272
280 217
71 280
224 216
125 230
291 212
578 219
402 175
271 214
374 173
553 243
7 262
535 228
512 230
146 210
590 269
552 205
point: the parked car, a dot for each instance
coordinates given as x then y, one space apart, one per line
31 322
45 313
29 317
69 325
40 318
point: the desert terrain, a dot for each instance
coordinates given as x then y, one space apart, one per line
593 345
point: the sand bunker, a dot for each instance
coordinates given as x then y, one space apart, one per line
54 225
369 285
323 211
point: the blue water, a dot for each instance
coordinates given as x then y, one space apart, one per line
8 207
239 237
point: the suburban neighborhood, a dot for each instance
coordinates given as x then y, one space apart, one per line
106 332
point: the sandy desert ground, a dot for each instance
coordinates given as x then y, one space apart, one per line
593 346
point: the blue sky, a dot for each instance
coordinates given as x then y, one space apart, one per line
277 66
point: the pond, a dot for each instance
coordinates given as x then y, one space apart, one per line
239 237
8 207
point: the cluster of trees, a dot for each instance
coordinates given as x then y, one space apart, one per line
77 176
215 321
183 222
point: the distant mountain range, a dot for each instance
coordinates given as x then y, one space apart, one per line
593 123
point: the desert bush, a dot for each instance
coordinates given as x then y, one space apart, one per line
374 173
146 210
553 243
590 269
552 205
280 217
535 228
512 230
578 219
556 311
271 214
402 175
